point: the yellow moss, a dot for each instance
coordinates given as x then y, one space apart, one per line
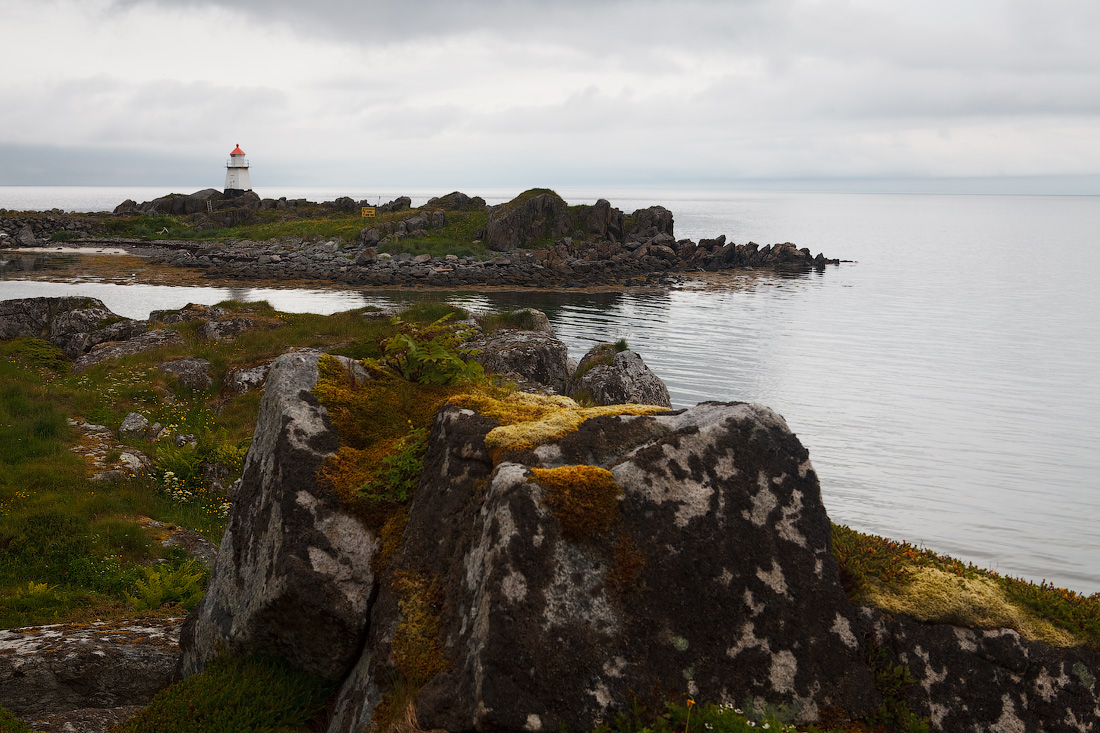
936 596
529 420
415 650
585 499
390 537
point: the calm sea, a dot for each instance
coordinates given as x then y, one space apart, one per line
946 383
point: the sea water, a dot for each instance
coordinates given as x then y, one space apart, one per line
946 381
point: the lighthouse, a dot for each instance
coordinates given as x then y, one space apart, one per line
236 174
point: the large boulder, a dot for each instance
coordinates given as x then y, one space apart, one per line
645 224
293 574
191 372
531 358
643 558
533 215
179 204
605 376
456 201
105 664
72 323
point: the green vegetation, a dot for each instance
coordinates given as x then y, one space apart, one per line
521 319
901 578
692 717
11 724
72 549
241 695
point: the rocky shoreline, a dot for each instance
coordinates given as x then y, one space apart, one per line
534 241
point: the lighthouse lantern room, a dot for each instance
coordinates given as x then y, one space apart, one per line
236 174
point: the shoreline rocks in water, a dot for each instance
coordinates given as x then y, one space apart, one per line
540 241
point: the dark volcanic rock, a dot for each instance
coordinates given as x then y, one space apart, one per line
530 356
608 377
713 578
105 664
514 224
645 224
456 201
292 577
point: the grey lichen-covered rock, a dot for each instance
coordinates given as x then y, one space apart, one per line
989 679
144 342
526 356
609 377
713 578
292 577
133 427
72 323
225 330
245 380
106 664
192 372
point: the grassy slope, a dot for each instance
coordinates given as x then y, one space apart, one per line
72 548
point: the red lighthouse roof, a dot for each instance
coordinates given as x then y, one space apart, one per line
237 150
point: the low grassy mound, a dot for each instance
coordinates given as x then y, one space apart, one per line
240 695
898 577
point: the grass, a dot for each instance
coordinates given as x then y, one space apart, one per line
73 549
253 695
521 319
901 578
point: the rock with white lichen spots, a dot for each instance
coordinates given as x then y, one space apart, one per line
105 664
292 576
650 556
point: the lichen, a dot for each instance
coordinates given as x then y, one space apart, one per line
529 420
584 499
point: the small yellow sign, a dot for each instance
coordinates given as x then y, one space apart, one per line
368 212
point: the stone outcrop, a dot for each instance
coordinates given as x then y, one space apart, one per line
105 664
292 576
456 201
143 342
989 679
710 575
609 377
532 359
698 563
190 371
521 221
72 323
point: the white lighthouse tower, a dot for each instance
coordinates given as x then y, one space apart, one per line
236 174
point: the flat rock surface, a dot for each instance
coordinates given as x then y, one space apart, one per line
105 664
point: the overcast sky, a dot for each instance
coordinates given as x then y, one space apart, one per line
463 93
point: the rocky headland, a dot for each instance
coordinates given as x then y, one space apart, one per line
535 240
556 563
